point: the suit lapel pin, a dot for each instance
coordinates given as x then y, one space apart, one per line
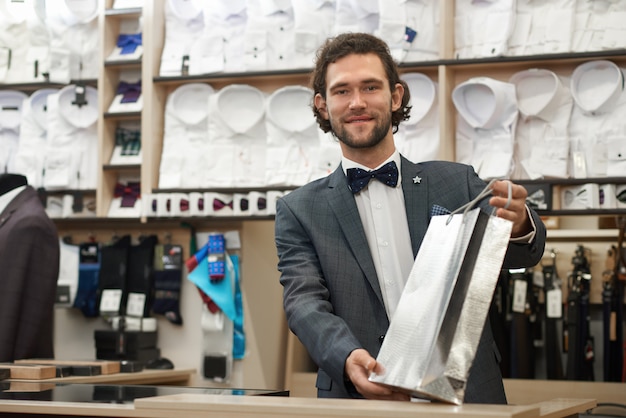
417 180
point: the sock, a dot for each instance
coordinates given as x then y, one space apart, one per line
167 282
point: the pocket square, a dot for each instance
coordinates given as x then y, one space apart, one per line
438 210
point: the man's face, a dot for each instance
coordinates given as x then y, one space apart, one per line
358 102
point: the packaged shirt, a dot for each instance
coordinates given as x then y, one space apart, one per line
31 150
185 137
74 39
482 28
184 25
487 116
541 137
418 138
11 103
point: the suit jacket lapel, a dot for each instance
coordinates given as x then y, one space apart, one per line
342 204
415 189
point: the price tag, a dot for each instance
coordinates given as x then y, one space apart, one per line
111 300
554 303
519 295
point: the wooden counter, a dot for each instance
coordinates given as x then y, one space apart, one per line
144 377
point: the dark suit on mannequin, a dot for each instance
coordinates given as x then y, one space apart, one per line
29 268
326 265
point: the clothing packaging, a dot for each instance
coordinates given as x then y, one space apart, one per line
434 333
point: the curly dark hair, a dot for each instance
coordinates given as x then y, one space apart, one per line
357 43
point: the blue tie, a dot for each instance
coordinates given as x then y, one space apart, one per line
359 178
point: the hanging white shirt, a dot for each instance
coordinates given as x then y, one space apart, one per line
222 45
410 28
487 113
541 138
542 27
292 134
185 137
383 215
418 138
74 39
313 24
356 16
184 24
482 27
72 156
11 104
237 136
31 150
597 127
269 36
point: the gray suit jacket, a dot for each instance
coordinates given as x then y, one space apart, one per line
326 266
29 267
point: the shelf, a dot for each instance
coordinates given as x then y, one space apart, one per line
122 115
572 181
123 64
131 12
581 212
121 167
586 234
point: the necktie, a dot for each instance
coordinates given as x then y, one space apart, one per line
359 178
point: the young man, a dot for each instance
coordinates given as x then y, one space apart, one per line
346 246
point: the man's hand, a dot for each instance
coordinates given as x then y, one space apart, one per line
359 365
511 207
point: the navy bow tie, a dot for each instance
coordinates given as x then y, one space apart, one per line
359 178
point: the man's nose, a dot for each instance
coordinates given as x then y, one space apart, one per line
357 100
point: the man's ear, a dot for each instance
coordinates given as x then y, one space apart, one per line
320 105
396 97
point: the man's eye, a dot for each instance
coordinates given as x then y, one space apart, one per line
370 88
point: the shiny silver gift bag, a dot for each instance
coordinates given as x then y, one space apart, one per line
433 335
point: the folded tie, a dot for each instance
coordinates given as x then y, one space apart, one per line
359 178
128 43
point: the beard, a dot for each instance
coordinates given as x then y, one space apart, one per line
375 137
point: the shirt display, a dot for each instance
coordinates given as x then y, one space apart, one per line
186 151
597 128
482 28
184 25
410 28
11 102
418 138
72 155
487 116
599 25
269 35
31 150
541 137
74 39
238 138
13 41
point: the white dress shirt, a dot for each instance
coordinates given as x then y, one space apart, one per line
293 138
541 138
72 155
184 24
238 137
13 41
410 28
599 25
597 127
7 197
11 104
269 35
186 137
418 138
222 45
383 214
31 149
487 115
74 39
356 16
542 27
482 27
313 23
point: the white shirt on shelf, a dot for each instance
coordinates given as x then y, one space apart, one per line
599 25
184 24
31 150
186 137
313 23
487 115
13 41
418 138
11 103
410 28
356 16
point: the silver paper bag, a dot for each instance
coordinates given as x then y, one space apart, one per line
432 338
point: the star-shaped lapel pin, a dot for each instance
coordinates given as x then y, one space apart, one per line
417 180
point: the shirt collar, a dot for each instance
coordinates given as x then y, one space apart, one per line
597 86
539 93
423 96
289 108
183 102
37 102
240 107
184 9
269 7
495 98
11 102
79 116
7 197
